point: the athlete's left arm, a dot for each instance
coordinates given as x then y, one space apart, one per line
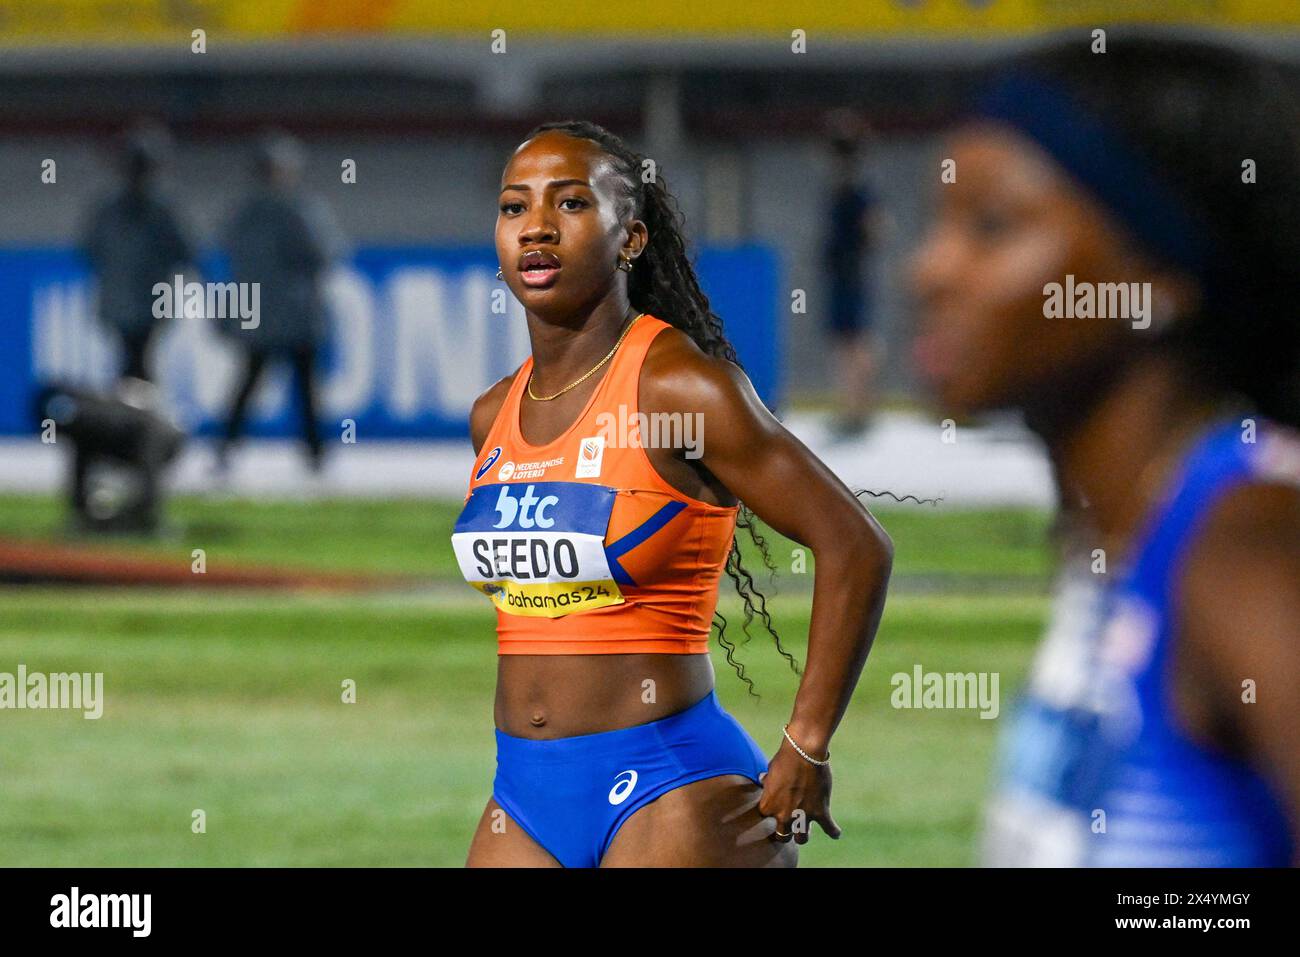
1240 616
760 462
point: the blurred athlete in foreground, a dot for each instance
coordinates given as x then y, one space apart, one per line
602 554
1119 258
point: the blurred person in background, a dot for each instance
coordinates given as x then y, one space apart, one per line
284 239
853 223
1161 722
133 241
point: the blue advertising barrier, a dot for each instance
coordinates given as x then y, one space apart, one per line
416 334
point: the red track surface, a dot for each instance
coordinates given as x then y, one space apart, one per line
35 562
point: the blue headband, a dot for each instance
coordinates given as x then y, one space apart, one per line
1097 157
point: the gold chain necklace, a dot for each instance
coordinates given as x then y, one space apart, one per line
592 371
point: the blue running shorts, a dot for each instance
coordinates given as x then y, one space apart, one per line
573 794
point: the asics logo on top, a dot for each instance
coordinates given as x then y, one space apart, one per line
617 796
488 463
522 509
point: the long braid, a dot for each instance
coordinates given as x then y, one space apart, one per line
663 283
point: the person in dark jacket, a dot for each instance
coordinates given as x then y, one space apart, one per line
284 240
134 241
853 222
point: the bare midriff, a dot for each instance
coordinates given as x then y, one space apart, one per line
558 696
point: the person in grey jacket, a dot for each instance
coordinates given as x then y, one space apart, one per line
133 241
284 240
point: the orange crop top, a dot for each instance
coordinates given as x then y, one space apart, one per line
580 544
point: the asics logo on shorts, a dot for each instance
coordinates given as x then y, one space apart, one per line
626 784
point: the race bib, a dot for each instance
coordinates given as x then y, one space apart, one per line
538 549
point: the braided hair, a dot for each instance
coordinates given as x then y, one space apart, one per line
664 284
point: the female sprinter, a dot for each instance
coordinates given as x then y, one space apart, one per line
603 556
1161 723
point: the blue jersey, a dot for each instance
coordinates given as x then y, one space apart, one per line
1094 769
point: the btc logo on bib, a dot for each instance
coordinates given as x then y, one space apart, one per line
538 549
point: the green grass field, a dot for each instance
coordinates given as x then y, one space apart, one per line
231 702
